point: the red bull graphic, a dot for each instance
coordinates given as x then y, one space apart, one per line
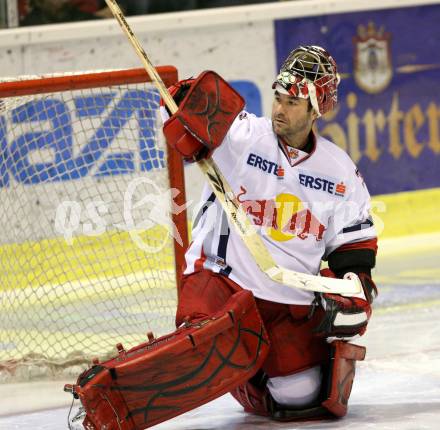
285 217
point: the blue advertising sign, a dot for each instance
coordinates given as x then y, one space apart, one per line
53 129
49 124
388 115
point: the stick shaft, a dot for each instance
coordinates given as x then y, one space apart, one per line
227 198
164 93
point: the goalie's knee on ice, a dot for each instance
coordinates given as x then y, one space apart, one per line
312 394
298 390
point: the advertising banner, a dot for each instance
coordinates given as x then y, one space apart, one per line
388 116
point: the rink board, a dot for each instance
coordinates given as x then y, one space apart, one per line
56 261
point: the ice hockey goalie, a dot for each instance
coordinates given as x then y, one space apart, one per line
283 353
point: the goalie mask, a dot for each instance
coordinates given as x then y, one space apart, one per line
310 72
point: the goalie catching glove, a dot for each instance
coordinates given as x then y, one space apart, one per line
208 106
346 317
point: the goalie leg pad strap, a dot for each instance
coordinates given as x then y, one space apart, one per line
168 376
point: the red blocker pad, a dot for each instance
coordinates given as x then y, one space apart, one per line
206 113
168 376
342 371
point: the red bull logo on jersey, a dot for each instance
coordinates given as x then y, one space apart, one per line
285 217
328 185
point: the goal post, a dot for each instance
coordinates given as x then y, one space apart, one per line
93 224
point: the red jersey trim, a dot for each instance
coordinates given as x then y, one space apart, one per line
366 244
285 148
311 152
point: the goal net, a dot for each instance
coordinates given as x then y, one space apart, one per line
92 220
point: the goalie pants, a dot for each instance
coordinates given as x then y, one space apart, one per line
294 348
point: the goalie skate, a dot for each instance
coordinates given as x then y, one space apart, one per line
76 422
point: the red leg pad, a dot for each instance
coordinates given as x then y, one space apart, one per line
168 376
294 347
202 294
255 398
342 371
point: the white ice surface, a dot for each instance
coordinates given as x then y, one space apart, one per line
396 387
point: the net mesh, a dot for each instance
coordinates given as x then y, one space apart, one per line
86 241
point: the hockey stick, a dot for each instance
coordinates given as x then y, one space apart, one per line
229 201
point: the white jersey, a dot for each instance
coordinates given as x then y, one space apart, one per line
304 206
